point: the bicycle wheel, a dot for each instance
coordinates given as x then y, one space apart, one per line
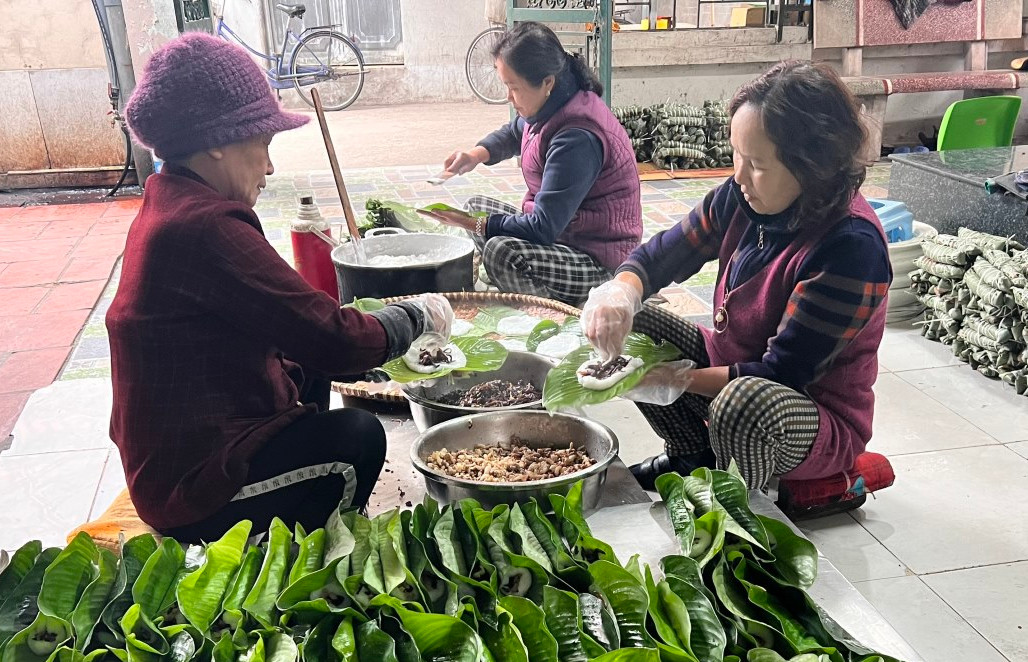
331 63
480 69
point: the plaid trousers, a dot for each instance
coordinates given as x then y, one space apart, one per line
515 265
767 428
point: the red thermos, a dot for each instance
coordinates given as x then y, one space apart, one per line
311 254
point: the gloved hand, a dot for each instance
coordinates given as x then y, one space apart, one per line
438 314
663 384
607 316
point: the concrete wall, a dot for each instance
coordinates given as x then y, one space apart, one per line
53 112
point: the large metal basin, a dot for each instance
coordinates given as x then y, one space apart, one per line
427 411
534 428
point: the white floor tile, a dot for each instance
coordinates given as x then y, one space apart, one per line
926 621
906 349
1019 447
909 421
112 483
953 509
851 549
46 496
636 438
65 416
991 405
994 600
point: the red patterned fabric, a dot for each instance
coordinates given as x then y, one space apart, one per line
871 472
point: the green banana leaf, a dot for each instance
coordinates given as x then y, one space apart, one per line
459 555
733 596
733 495
568 513
68 576
709 537
154 588
410 220
564 622
374 644
134 554
66 654
791 629
309 556
38 641
526 541
18 565
566 567
700 492
448 541
143 640
671 488
483 355
519 575
562 390
201 593
366 305
598 622
504 643
224 650
707 638
406 649
260 602
543 330
795 557
316 645
241 585
630 655
20 608
628 599
439 638
339 540
94 600
677 614
688 570
279 647
360 528
440 593
344 641
384 569
530 622
666 629
309 595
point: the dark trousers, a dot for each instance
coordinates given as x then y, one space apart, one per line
303 472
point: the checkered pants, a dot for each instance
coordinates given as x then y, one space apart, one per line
515 265
767 428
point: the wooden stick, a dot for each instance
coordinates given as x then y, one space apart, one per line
351 223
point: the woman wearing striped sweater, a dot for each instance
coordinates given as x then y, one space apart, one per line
783 381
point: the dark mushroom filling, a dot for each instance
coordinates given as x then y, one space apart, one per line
602 370
429 357
495 393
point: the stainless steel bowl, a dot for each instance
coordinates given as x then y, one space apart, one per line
534 428
428 411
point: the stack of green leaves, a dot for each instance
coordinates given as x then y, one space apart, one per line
454 584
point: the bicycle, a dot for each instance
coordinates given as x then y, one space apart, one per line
479 67
321 58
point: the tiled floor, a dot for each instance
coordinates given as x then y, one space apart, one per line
943 554
54 263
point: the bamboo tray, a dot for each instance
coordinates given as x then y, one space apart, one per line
466 305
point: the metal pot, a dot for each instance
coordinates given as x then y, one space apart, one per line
428 411
449 271
534 428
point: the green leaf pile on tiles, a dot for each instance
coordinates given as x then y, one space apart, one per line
452 584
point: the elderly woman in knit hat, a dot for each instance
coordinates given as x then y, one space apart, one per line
220 351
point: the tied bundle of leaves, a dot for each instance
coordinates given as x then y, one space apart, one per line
454 584
563 391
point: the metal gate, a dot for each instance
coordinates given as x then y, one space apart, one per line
374 25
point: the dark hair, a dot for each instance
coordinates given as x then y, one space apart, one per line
815 124
534 52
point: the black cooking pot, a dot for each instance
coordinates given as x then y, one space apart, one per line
448 267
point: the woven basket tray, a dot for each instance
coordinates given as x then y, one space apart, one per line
465 306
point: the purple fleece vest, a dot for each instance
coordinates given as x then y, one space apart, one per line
843 396
608 224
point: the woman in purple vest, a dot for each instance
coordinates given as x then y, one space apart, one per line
782 382
582 216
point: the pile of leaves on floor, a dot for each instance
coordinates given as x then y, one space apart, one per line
975 289
455 584
678 136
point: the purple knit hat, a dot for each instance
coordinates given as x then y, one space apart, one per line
199 92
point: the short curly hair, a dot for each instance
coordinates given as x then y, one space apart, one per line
814 122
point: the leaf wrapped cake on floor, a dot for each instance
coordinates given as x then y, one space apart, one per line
457 583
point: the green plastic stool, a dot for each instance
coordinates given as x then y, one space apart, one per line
978 123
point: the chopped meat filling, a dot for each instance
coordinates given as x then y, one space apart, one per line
510 463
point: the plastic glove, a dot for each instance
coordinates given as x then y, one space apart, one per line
607 316
438 314
663 384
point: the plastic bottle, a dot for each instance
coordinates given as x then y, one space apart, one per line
312 255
